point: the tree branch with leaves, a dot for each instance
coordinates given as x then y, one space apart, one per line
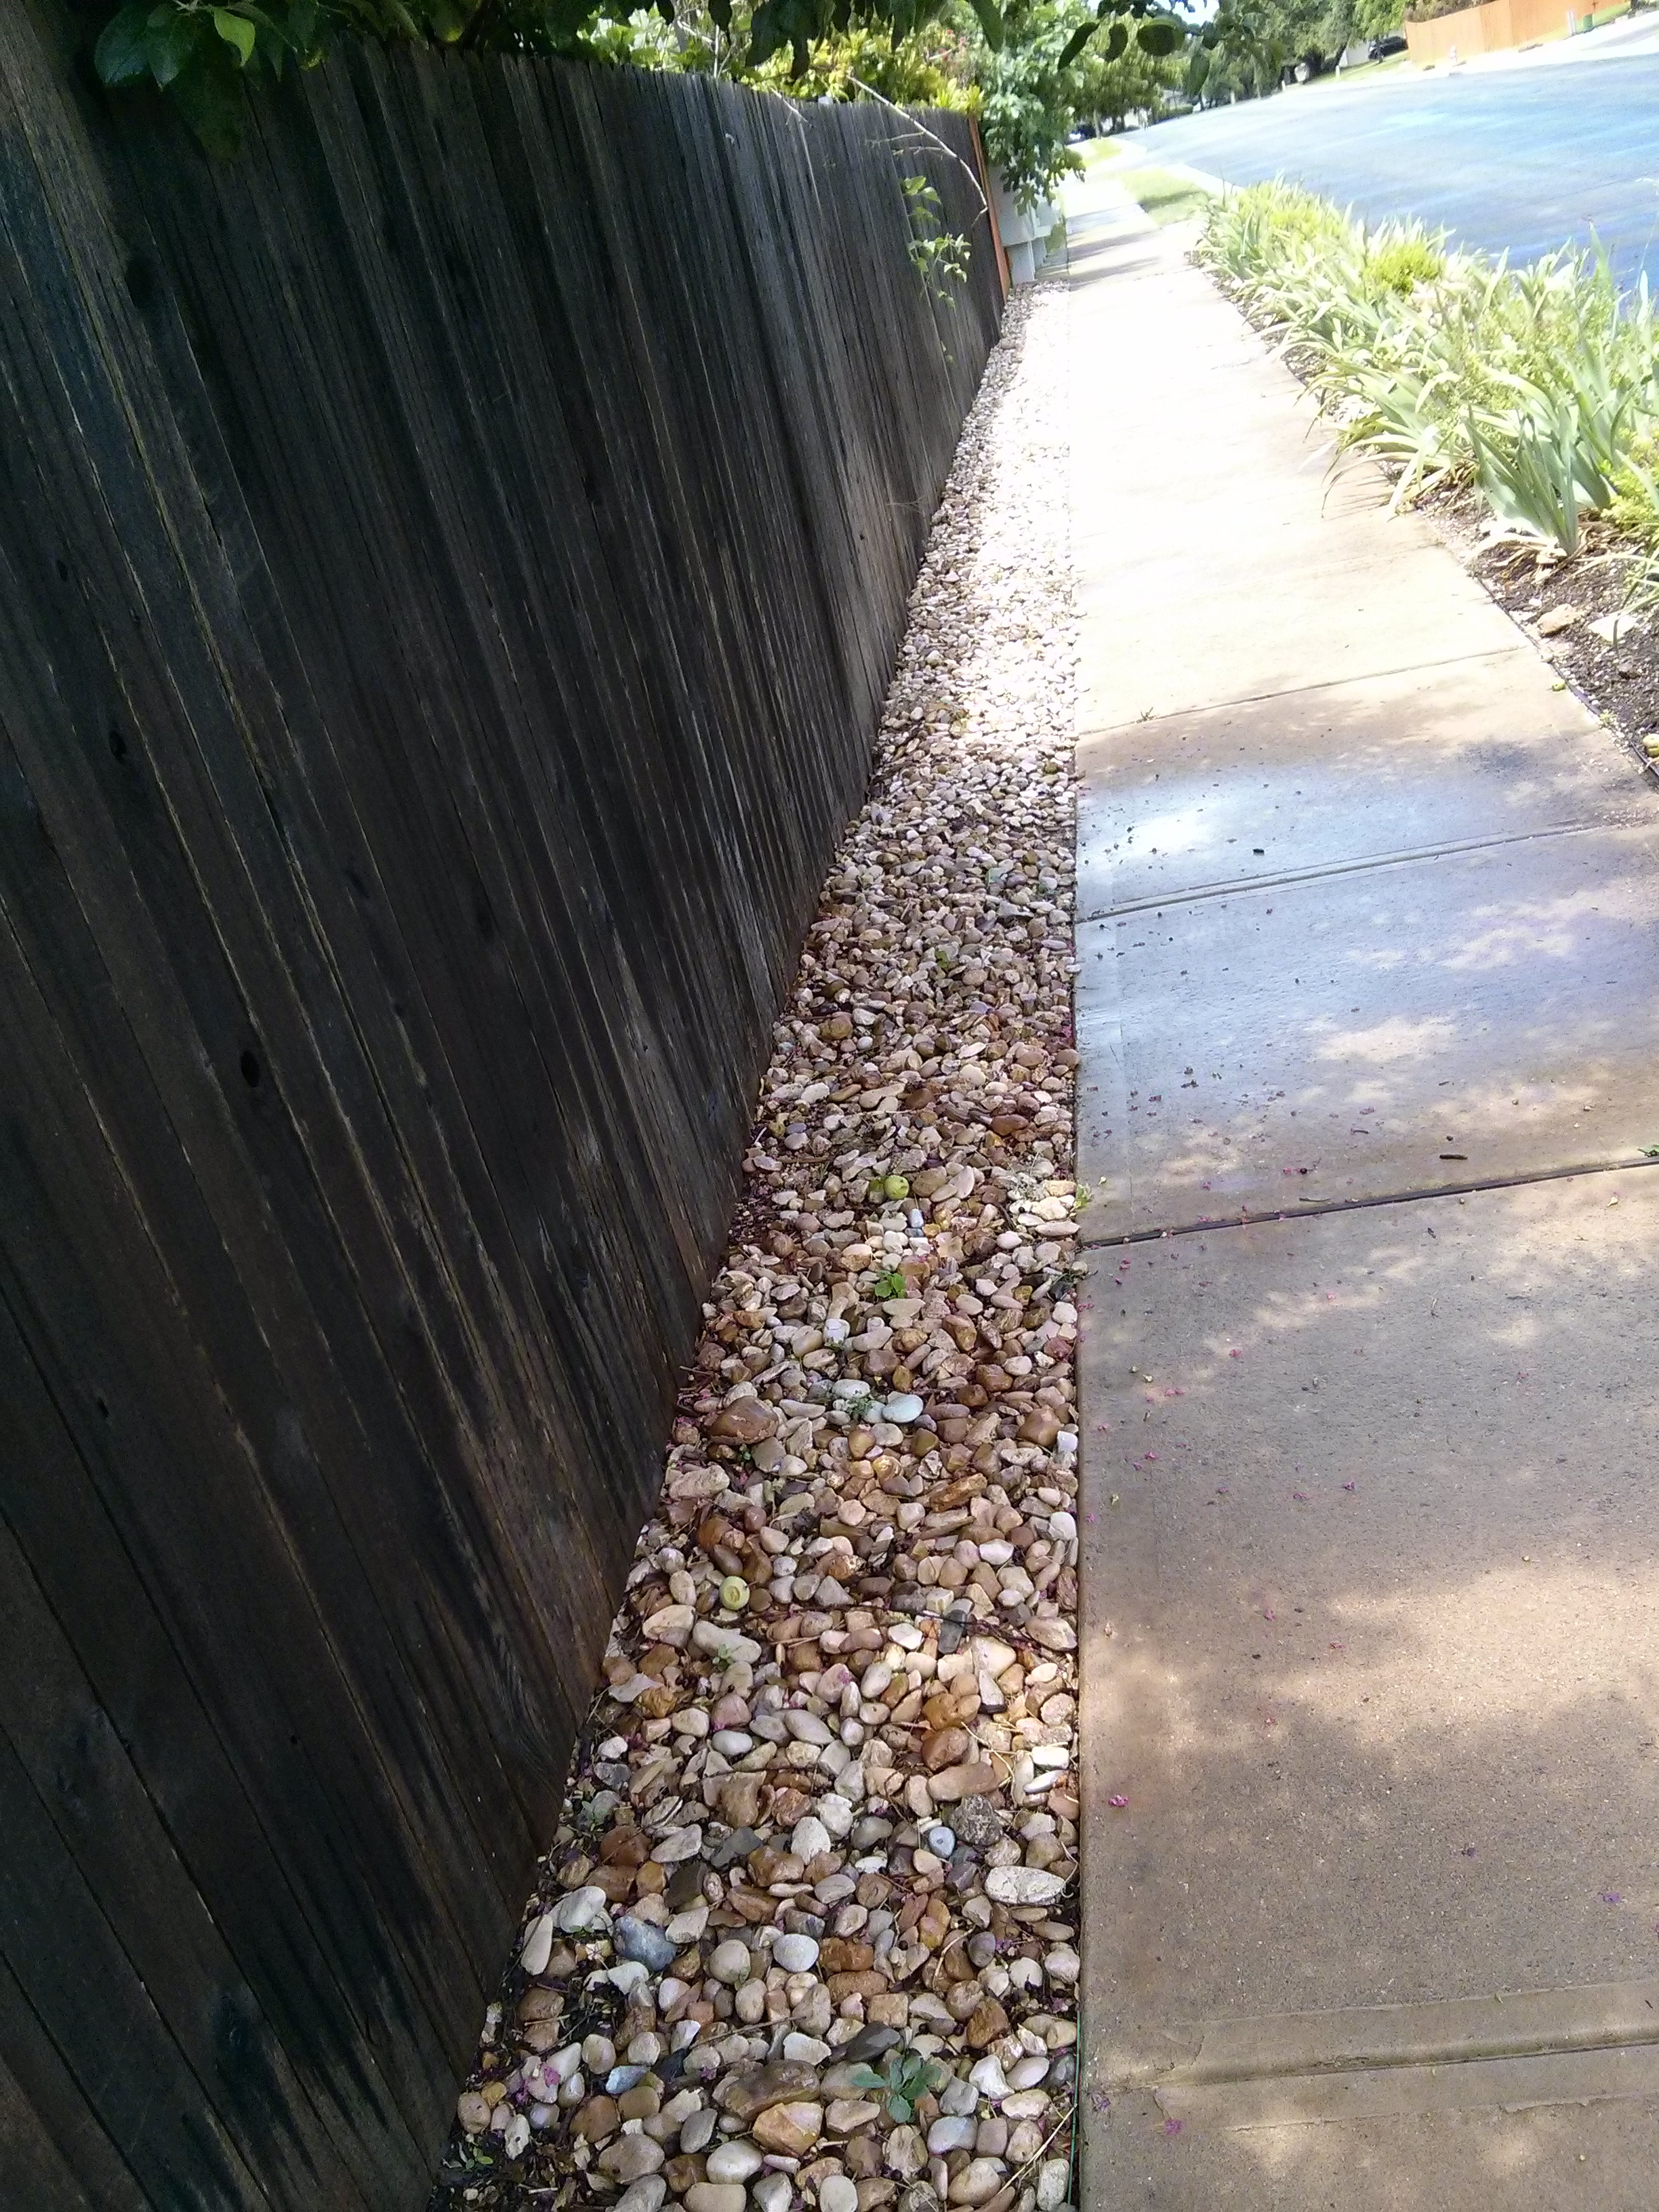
1025 58
1036 79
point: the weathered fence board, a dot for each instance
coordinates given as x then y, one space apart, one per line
451 558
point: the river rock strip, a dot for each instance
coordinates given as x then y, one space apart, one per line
806 1935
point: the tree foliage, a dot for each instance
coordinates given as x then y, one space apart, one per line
1256 46
202 53
1111 89
1049 72
931 66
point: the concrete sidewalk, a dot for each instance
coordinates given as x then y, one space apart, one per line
1369 919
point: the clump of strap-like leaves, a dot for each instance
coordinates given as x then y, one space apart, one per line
1535 385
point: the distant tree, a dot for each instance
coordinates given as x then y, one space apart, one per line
1345 22
1135 83
1258 45
1051 70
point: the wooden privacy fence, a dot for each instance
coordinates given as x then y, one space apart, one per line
1492 26
451 558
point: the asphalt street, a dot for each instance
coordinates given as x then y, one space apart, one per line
1517 160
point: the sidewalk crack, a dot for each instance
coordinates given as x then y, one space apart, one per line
1405 858
1310 1208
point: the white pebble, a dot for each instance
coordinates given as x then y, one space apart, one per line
809 1838
1023 1885
952 2132
730 1962
581 1909
736 2160
538 1945
796 1954
1053 2180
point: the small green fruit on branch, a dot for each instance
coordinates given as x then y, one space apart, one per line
1155 33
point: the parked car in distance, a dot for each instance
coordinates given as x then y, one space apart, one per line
1393 42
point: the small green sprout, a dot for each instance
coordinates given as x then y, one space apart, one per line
905 2080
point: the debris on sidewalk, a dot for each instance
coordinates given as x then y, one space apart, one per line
807 1934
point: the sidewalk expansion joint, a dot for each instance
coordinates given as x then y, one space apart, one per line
1458 2032
1407 857
1311 1207
1535 2047
1141 722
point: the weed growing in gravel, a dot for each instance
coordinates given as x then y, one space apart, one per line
1536 386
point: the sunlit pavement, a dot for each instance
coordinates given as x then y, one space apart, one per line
1369 1008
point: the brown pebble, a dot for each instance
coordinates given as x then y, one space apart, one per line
837 1955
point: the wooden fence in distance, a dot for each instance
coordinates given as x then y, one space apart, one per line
1492 26
451 558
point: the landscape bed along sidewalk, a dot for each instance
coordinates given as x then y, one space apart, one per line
806 1935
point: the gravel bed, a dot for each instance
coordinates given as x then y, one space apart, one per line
807 1933
1577 612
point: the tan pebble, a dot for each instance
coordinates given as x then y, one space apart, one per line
862 2154
790 2129
716 2197
975 1779
978 2182
598 2117
1026 2104
745 2090
845 2115
945 1748
985 2025
1025 2140
837 1954
864 1985
905 2154
630 2158
747 1421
